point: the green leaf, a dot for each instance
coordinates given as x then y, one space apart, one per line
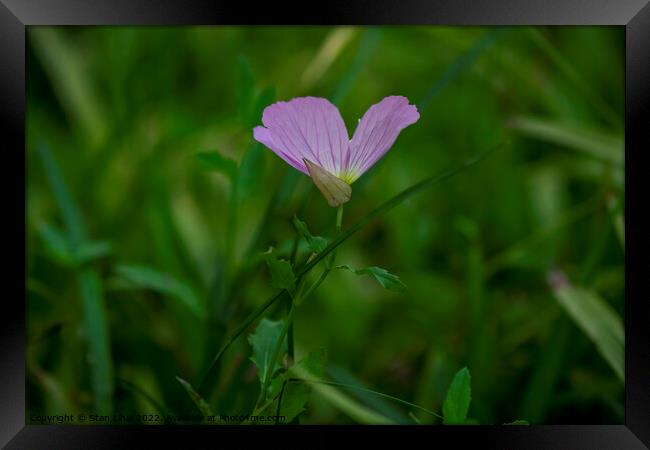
379 401
147 278
56 244
74 225
461 65
295 396
384 277
65 65
518 422
196 398
594 143
282 276
215 161
263 341
340 400
294 399
316 243
615 205
90 251
313 364
98 339
598 320
456 404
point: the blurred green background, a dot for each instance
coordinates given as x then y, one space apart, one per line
141 257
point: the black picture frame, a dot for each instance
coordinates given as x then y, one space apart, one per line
634 15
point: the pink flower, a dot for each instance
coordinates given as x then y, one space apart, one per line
309 134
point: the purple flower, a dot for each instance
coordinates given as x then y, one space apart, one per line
309 134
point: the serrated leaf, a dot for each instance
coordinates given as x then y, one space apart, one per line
456 404
598 320
148 278
316 243
263 341
282 276
196 398
216 161
385 278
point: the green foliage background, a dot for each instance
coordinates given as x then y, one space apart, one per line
142 256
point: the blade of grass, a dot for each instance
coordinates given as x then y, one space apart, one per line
595 144
598 320
90 287
579 82
96 329
334 43
366 395
510 255
74 226
463 62
368 44
547 371
342 402
379 394
139 391
63 65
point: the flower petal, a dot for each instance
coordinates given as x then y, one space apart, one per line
306 127
377 131
263 136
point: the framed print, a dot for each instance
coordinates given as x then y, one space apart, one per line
388 217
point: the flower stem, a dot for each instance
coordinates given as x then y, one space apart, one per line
339 222
339 219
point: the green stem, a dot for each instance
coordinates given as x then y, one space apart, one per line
377 393
231 230
339 221
290 344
